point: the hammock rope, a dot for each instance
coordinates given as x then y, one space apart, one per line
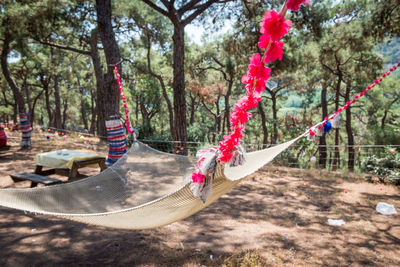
129 127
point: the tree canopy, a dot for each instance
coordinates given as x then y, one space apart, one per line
57 61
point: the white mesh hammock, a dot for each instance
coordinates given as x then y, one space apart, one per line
144 189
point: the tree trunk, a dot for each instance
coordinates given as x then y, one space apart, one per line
45 83
32 113
28 98
218 120
227 107
57 115
323 155
19 98
336 158
83 104
145 120
192 108
64 115
100 108
178 84
164 92
263 125
111 51
15 114
386 111
350 137
137 108
274 138
94 113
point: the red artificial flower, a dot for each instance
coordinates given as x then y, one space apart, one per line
197 177
274 51
226 147
274 26
264 41
249 101
295 4
226 157
239 115
230 142
237 132
253 84
257 69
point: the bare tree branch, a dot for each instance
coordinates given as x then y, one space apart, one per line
65 47
200 9
157 8
188 6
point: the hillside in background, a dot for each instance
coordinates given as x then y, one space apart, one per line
390 51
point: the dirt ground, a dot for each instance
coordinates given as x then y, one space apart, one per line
277 217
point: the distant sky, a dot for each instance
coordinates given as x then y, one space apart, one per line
197 33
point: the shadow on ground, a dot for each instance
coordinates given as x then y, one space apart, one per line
268 219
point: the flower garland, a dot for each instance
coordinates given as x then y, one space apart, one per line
129 127
333 121
273 28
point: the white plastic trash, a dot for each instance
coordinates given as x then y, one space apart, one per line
336 222
385 208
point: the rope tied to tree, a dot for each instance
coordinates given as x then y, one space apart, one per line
129 127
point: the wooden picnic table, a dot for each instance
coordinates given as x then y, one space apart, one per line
62 162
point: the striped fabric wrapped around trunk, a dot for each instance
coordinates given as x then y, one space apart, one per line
3 137
116 140
25 128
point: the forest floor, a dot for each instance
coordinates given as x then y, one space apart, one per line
276 217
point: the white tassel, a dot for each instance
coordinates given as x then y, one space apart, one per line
319 132
238 157
208 157
310 137
336 121
203 190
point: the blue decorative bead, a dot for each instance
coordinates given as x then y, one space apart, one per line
327 127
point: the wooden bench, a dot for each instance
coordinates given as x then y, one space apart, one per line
84 163
34 178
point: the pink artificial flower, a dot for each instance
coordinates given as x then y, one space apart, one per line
274 26
226 147
237 132
259 85
254 98
295 4
249 101
264 42
229 143
239 115
226 157
274 51
197 177
257 69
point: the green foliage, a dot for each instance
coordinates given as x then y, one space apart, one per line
197 132
390 51
388 166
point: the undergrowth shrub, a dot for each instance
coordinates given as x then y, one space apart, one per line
388 166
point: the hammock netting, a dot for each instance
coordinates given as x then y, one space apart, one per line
146 188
